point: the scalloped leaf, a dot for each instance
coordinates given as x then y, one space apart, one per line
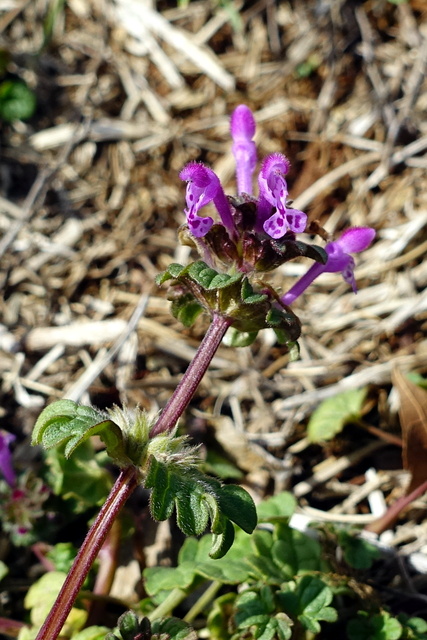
64 409
309 600
248 294
238 506
65 421
198 499
295 552
186 309
278 508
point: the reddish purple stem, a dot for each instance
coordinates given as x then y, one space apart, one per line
125 484
128 480
192 377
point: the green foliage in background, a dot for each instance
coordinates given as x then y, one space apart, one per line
17 101
333 414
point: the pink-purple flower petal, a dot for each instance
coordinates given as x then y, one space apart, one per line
202 187
352 240
242 128
274 191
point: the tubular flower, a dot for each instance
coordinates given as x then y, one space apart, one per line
270 214
258 233
203 186
273 190
242 128
352 240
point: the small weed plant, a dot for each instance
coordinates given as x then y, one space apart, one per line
242 572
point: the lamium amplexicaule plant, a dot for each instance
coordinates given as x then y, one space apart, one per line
283 590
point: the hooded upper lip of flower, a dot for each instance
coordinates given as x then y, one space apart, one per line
203 186
274 217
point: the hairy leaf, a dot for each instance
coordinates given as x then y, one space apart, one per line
66 422
198 499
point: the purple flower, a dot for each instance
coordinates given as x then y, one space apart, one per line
272 215
203 186
242 128
353 240
273 191
6 468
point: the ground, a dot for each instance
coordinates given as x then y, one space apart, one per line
90 204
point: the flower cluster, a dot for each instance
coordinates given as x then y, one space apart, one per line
259 233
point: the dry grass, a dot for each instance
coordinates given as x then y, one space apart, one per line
91 200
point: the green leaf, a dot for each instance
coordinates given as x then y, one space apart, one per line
380 626
41 596
61 409
174 270
248 294
219 616
80 478
197 499
172 629
3 570
162 498
17 101
279 508
194 561
238 506
209 278
235 338
295 552
358 553
334 413
415 628
253 604
158 579
417 379
220 466
62 555
261 563
186 309
309 600
67 422
221 542
131 627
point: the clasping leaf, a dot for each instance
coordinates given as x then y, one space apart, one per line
67 422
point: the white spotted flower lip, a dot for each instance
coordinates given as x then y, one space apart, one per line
273 191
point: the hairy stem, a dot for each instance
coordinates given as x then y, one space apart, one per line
128 480
191 378
122 489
